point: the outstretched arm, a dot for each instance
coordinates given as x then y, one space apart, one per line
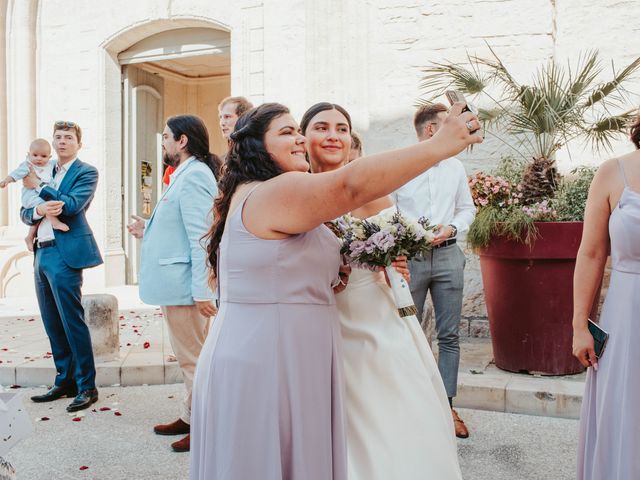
297 202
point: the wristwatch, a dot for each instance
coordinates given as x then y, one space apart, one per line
454 231
42 184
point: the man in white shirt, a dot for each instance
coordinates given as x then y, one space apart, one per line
442 195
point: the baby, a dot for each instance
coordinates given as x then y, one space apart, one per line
38 159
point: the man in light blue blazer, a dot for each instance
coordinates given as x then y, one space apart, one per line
173 268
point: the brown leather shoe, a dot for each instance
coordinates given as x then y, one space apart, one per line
182 445
174 428
459 426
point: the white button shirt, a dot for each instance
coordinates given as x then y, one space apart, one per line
440 194
45 230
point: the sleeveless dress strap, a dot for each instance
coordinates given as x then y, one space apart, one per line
240 205
624 177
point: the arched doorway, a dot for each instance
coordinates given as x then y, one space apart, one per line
185 70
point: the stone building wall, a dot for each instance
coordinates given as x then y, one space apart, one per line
364 54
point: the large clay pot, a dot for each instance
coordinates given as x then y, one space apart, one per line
529 297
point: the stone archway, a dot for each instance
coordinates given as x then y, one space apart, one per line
117 266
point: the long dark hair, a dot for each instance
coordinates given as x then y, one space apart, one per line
321 107
247 161
634 131
196 132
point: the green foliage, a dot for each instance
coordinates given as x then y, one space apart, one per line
511 169
511 222
571 196
561 103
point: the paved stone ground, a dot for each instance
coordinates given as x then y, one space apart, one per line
502 446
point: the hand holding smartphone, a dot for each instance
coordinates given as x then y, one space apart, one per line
454 96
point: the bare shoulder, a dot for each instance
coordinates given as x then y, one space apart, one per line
608 174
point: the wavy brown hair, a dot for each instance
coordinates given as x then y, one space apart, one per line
634 131
247 161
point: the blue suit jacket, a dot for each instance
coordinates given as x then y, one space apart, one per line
77 247
173 268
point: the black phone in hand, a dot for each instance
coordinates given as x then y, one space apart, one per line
600 338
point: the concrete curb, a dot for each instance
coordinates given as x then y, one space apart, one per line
525 394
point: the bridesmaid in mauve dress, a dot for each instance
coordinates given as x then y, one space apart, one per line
609 439
267 396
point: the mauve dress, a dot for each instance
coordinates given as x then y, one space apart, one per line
267 396
609 441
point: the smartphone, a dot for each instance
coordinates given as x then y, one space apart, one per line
454 96
600 337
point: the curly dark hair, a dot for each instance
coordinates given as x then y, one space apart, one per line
634 131
247 161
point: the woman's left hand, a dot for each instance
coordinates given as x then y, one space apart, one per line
343 274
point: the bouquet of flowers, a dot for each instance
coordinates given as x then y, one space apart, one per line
376 242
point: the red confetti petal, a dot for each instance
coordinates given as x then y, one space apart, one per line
104 409
146 345
31 320
135 330
44 419
76 419
128 344
15 386
84 467
5 349
117 414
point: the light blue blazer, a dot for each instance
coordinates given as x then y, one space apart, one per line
173 267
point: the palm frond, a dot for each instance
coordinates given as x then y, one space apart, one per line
499 72
606 129
604 90
443 76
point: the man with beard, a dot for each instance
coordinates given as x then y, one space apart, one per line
173 270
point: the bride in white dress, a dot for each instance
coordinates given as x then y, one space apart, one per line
399 423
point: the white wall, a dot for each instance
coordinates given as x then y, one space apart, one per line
364 54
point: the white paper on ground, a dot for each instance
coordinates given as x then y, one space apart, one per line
15 424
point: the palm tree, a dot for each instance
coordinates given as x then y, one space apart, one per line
563 103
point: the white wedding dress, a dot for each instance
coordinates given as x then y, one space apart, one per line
399 424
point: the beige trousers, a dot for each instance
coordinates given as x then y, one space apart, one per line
187 331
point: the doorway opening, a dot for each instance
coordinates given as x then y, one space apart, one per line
181 71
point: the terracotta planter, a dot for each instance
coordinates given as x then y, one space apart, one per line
529 296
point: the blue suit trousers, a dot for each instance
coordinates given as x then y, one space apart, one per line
58 288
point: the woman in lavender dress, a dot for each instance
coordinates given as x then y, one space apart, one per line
609 441
267 395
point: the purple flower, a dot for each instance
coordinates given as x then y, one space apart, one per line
356 248
383 240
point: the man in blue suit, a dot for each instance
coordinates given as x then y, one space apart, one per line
59 259
173 268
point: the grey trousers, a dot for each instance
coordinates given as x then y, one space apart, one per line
441 272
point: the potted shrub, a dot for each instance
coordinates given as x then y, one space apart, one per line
529 222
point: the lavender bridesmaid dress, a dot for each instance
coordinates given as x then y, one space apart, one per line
267 398
609 442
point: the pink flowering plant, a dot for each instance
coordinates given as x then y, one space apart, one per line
487 189
502 210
